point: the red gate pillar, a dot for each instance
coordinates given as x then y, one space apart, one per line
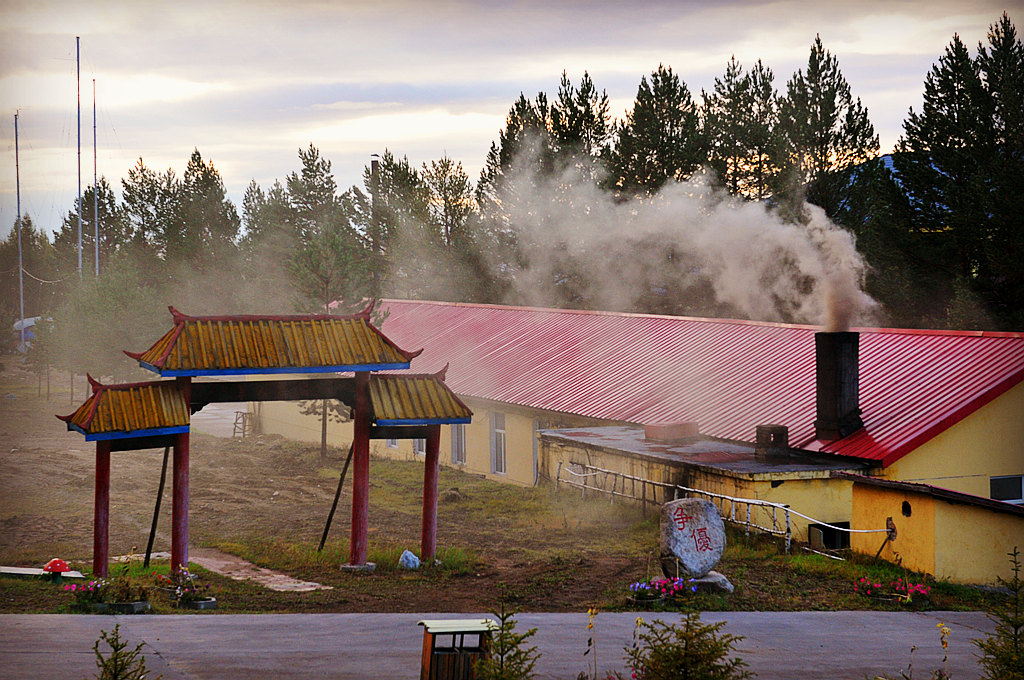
428 542
179 502
360 470
101 511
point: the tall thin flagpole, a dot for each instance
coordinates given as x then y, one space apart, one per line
21 270
78 77
95 186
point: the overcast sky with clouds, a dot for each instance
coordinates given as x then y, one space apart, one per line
250 83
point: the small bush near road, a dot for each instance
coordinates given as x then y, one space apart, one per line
690 649
1002 655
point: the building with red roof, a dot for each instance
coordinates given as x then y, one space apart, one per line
941 408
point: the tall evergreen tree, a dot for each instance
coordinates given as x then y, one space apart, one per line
328 260
741 128
312 193
209 224
826 131
451 201
152 205
581 126
660 139
524 152
114 230
960 162
1001 64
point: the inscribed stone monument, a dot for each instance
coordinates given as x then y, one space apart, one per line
692 537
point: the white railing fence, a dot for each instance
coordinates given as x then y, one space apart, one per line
750 513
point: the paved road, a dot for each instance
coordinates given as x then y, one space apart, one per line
778 645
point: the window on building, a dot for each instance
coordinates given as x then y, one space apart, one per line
1008 489
419 447
391 443
458 444
498 443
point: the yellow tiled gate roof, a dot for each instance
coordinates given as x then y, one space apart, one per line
415 400
238 345
130 410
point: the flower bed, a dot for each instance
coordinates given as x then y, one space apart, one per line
903 591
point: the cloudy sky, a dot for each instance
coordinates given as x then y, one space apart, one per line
249 83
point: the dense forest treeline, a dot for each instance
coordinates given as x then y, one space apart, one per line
563 209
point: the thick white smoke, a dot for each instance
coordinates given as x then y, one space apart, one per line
754 264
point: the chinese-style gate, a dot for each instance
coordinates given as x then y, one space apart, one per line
157 414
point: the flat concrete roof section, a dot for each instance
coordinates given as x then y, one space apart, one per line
717 454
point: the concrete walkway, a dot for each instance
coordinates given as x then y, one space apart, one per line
236 568
778 645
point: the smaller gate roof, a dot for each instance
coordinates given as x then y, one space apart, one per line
130 410
240 345
416 400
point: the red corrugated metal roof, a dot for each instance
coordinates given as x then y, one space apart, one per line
729 376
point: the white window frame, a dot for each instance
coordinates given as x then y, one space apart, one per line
419 447
391 443
498 444
1012 501
458 433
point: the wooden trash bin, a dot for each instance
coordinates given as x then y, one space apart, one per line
452 646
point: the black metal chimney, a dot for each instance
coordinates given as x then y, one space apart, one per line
838 385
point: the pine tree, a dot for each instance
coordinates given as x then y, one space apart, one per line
209 224
660 139
1001 66
826 132
741 126
152 204
581 127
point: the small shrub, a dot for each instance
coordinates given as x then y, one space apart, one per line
123 663
509 658
1002 655
691 650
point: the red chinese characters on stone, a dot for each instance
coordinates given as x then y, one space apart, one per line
701 540
680 517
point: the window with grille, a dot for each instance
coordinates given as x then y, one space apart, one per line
498 443
458 444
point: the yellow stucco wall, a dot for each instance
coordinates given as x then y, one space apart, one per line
987 443
286 419
956 541
825 499
915 535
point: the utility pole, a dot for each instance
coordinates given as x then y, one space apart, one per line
78 78
95 186
375 235
21 270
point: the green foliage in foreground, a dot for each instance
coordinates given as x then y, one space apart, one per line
690 649
509 658
122 663
1002 655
